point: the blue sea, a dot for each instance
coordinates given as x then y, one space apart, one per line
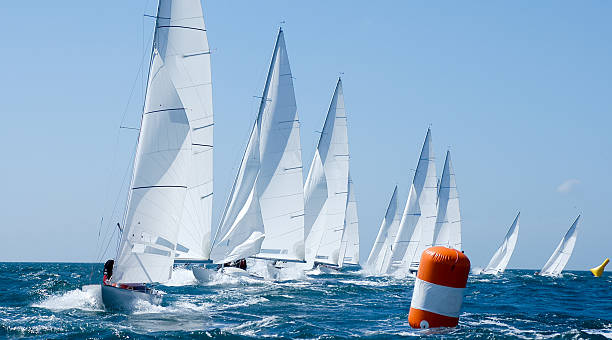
61 300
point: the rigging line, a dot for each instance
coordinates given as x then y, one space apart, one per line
121 186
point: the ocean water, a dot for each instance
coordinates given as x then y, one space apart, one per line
59 300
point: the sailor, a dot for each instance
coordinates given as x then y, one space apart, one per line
108 271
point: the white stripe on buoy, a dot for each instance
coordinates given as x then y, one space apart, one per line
437 299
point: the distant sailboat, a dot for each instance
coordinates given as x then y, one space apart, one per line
327 188
448 222
556 263
425 186
502 256
349 249
398 264
171 184
264 217
390 221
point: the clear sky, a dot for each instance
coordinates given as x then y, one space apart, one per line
520 91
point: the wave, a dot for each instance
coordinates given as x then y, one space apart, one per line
88 298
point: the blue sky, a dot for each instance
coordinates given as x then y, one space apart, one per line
520 91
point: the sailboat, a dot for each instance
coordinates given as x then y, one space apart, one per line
171 187
425 186
448 222
326 189
389 222
349 248
557 261
264 216
410 217
500 259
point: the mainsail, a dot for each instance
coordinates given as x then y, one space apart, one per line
267 197
425 186
555 264
448 221
326 188
402 241
182 44
349 250
166 193
500 259
378 251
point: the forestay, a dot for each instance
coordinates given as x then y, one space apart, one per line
182 44
374 261
349 250
502 256
402 242
425 185
326 188
555 264
448 221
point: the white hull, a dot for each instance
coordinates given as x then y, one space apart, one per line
125 299
203 274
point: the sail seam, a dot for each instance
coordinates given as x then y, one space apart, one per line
186 27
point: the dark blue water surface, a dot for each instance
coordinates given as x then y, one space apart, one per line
53 300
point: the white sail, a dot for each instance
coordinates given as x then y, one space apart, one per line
410 217
500 259
555 264
377 252
159 183
349 250
267 198
425 185
280 181
326 188
448 221
241 231
182 44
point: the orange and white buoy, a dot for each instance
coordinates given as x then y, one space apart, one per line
438 288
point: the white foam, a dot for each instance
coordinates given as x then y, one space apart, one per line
366 283
606 333
88 298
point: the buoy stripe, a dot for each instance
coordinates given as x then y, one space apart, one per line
417 319
437 299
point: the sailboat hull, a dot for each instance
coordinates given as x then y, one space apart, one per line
203 274
125 299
